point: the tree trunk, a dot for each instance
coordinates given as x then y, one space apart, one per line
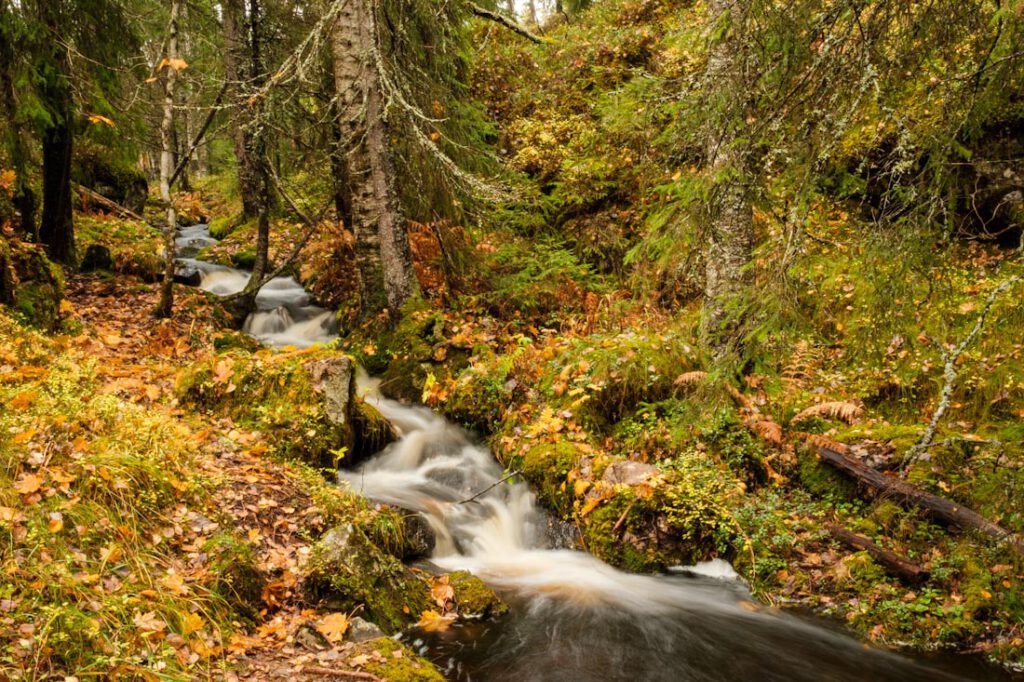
233 23
24 199
257 148
168 149
730 239
382 248
56 229
8 280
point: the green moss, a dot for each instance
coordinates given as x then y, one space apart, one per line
473 599
347 570
135 247
284 394
222 226
546 466
823 480
237 579
396 663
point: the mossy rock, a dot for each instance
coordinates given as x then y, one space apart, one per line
473 599
40 287
223 226
824 481
101 169
134 247
347 570
237 579
546 466
392 661
306 399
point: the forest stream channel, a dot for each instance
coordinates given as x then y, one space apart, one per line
573 617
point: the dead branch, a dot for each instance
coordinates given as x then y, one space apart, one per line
507 22
951 373
911 496
893 563
111 204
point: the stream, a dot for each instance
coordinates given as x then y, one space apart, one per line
573 618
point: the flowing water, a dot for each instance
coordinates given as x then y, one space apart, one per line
577 619
573 618
284 314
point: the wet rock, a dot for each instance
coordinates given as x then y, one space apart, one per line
390 660
628 472
418 537
97 257
361 630
473 599
346 570
188 275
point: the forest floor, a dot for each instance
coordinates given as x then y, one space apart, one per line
263 503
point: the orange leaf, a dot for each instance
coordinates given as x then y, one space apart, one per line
28 484
432 621
333 626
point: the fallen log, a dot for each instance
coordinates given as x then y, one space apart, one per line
109 203
890 561
911 496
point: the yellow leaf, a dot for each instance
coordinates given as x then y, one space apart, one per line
432 621
28 484
442 593
178 64
56 522
333 626
191 622
149 622
96 118
173 582
7 514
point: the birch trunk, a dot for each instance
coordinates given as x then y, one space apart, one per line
730 239
168 152
382 248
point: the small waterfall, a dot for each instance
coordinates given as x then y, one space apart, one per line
284 315
575 618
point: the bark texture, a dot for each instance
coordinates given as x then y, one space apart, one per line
24 199
233 25
730 230
382 248
168 155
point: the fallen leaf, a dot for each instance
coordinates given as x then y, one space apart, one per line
333 626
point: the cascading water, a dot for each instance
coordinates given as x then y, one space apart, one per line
575 618
284 314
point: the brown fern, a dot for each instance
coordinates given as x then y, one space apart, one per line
768 430
689 378
816 440
840 409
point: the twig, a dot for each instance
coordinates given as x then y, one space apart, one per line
331 672
508 23
299 245
198 139
491 487
951 373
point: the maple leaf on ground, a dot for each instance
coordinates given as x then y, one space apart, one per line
28 484
149 622
333 626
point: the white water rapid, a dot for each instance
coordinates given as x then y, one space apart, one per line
573 617
284 314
